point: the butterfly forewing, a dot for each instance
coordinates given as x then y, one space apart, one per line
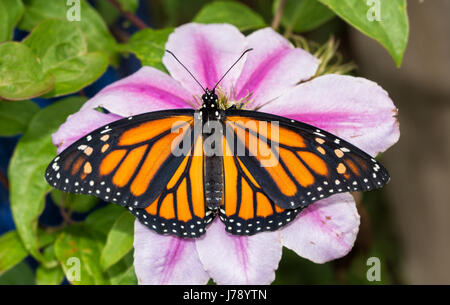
246 209
308 164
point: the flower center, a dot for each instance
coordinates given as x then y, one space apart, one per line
225 100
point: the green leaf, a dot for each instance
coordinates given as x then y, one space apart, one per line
391 30
27 167
12 251
91 24
10 13
50 272
49 276
21 75
103 219
21 274
15 116
74 202
77 248
234 13
50 260
119 241
123 273
110 13
303 15
77 73
148 46
62 51
46 237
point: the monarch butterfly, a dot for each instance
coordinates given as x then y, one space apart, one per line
255 170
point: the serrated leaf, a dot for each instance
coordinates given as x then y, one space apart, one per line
386 21
10 13
304 15
12 251
15 116
119 241
27 167
78 251
234 13
91 24
148 46
74 202
21 75
62 51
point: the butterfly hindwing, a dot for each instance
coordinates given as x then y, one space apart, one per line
246 209
295 163
180 208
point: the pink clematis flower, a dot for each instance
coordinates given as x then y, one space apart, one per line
274 78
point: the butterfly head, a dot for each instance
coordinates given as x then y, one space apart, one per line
209 99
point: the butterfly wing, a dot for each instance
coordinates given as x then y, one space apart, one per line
295 163
131 162
180 208
246 209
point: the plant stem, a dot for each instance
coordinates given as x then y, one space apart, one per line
4 180
65 215
278 14
129 15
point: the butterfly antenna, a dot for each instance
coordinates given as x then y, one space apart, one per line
248 50
170 52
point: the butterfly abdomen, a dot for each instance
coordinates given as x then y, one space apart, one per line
213 182
213 168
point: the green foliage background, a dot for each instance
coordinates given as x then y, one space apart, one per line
58 58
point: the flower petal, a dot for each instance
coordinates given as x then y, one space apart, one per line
163 259
353 108
79 124
208 51
325 230
272 67
239 259
146 90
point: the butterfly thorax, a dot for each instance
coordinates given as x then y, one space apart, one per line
209 109
212 118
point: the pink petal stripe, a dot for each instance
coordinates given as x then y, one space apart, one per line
272 67
207 51
237 260
356 109
79 124
146 90
324 231
163 259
